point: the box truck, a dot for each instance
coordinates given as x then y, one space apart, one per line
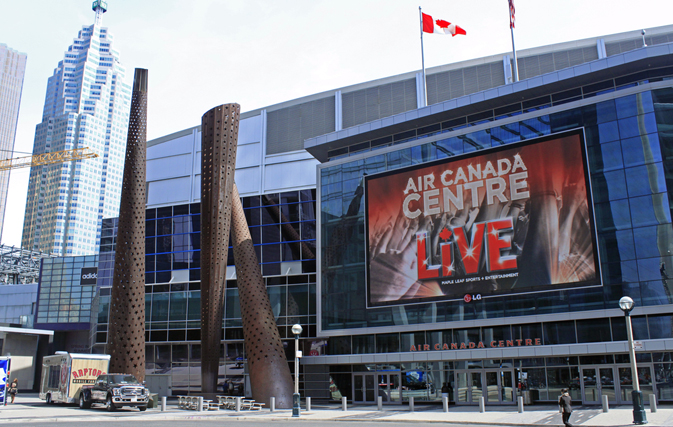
64 374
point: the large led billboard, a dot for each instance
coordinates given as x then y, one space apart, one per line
512 219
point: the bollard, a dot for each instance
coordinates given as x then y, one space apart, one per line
520 399
604 401
482 405
445 404
238 404
344 403
308 403
379 403
200 403
163 403
411 403
272 404
653 403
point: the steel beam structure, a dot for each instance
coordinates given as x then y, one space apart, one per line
18 265
126 333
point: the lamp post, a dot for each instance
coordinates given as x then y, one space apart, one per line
626 304
296 330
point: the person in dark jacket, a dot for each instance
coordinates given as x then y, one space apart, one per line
13 389
565 406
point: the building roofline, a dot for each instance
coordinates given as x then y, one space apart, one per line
14 50
624 63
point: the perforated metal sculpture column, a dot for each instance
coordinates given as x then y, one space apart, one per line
219 135
267 363
126 333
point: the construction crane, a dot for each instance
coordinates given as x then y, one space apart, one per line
47 158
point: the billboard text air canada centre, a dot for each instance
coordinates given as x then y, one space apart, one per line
513 219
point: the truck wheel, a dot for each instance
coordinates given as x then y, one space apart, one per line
110 406
142 408
83 402
49 401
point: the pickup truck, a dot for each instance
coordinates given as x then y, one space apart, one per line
115 391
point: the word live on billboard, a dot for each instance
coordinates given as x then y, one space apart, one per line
487 233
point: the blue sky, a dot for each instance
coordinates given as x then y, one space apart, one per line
203 53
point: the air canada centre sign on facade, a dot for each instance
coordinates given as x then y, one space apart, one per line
513 219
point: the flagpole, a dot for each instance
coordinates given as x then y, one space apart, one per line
511 28
516 67
425 87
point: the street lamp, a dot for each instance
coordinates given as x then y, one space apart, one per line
296 330
626 304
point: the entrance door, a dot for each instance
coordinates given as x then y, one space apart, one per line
495 385
499 387
591 392
597 382
389 387
614 382
626 383
476 386
364 388
462 391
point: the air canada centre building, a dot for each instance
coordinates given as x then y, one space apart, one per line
477 245
481 244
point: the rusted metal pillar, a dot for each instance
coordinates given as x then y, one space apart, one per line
267 363
126 331
219 136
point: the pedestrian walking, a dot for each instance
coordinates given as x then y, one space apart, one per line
445 390
565 407
13 389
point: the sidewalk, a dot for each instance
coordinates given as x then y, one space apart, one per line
28 408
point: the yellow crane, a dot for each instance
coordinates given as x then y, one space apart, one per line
47 158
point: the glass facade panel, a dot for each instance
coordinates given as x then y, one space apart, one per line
594 330
629 186
67 288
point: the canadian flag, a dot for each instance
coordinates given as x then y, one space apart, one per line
440 26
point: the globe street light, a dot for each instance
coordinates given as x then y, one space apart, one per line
626 304
296 330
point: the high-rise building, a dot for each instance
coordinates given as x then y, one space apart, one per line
86 105
12 69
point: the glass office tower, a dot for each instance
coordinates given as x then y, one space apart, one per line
12 70
86 106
